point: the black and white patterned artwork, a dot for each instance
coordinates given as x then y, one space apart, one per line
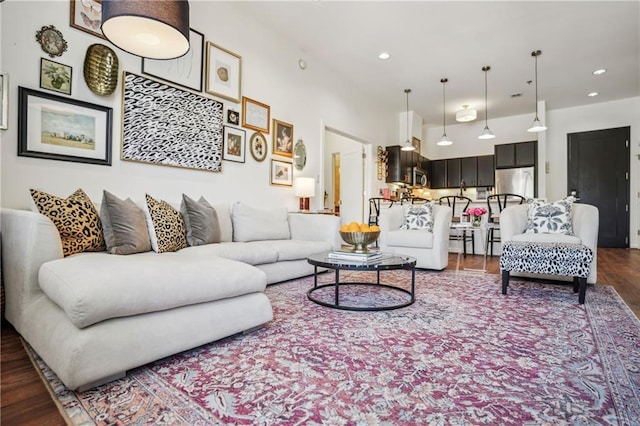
168 126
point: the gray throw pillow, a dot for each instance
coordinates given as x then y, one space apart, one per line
124 226
201 221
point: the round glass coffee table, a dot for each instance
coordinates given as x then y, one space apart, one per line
393 296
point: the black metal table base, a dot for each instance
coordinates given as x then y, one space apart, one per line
337 284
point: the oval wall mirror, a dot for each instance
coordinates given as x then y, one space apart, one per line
299 155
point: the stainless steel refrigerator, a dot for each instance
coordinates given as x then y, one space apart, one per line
520 181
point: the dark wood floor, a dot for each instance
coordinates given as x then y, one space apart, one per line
25 400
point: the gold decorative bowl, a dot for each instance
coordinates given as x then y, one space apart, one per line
360 240
101 69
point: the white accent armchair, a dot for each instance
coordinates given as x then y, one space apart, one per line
585 220
431 249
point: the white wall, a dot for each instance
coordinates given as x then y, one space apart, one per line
307 99
552 144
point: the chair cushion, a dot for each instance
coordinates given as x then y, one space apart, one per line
547 238
410 238
419 216
552 218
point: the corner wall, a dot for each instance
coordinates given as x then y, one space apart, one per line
270 74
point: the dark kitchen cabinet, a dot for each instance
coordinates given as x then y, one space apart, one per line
486 170
453 172
400 165
521 154
438 174
469 171
525 154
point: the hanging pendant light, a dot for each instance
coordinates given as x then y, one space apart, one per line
156 29
537 125
408 146
486 133
444 140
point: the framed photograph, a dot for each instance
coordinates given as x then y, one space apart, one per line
51 41
189 134
57 128
86 15
258 147
234 144
255 115
185 71
55 76
233 117
281 173
282 138
4 97
224 73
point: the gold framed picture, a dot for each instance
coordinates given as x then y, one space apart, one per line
281 173
255 115
224 72
282 138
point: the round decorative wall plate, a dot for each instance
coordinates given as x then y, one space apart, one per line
51 41
258 146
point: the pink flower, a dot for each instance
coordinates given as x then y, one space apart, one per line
476 211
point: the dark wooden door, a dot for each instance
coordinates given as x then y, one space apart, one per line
598 170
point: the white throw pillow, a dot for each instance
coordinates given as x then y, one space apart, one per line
550 218
419 216
250 224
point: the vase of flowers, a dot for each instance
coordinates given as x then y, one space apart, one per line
475 213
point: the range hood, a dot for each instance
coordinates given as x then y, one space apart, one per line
415 127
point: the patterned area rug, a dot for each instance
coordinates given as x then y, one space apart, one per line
462 354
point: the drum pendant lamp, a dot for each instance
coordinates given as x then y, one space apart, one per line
155 29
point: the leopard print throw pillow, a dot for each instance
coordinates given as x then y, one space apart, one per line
76 219
166 228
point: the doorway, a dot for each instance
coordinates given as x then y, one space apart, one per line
598 170
345 171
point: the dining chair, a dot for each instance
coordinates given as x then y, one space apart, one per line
495 204
458 205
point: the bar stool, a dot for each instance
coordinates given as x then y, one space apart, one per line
497 203
375 204
458 205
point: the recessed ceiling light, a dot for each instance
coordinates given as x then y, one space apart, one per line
592 94
384 56
600 71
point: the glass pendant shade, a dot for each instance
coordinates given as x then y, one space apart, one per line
408 146
486 134
157 29
537 125
444 140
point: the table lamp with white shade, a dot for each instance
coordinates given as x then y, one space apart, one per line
305 187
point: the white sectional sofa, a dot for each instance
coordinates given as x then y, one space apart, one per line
92 316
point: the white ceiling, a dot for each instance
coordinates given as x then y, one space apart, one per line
430 40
